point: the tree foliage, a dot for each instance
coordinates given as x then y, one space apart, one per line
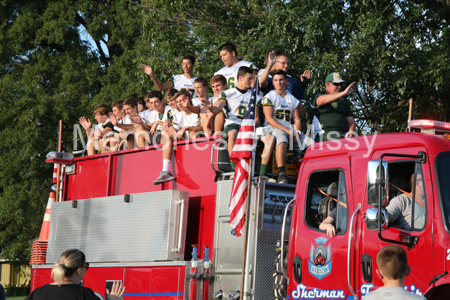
395 50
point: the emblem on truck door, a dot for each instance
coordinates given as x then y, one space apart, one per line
320 262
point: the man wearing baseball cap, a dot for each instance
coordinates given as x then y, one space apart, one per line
331 114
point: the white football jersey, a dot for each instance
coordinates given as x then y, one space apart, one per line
181 83
156 116
181 120
283 108
231 73
237 104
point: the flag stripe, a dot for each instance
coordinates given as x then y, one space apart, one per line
241 154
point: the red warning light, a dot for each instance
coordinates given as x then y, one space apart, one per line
430 125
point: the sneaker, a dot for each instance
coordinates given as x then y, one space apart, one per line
164 177
282 178
268 179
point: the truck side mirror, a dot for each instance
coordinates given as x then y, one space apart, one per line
371 219
374 180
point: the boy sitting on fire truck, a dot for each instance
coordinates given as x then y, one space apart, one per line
185 126
279 108
133 124
95 135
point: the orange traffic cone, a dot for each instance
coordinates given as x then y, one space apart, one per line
46 223
39 249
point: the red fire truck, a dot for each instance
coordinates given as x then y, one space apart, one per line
173 241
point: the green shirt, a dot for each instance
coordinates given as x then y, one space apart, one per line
332 116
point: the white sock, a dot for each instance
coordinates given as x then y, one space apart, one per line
166 165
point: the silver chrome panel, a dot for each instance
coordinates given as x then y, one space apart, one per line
108 229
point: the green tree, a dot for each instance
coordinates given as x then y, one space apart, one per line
395 50
49 72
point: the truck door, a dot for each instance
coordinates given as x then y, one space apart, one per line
318 261
400 171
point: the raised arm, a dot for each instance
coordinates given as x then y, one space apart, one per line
160 86
328 98
271 61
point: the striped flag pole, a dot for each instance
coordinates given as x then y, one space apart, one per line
58 172
410 117
242 155
247 211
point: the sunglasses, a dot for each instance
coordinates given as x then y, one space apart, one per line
337 84
86 265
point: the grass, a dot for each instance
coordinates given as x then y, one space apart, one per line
16 298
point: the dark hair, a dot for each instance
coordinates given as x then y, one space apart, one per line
170 93
154 94
140 101
118 104
279 72
393 262
102 109
229 47
184 93
131 102
218 78
68 263
190 57
244 70
201 80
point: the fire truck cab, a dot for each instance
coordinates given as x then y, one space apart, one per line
173 241
343 266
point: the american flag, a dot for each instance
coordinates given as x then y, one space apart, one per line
55 166
242 152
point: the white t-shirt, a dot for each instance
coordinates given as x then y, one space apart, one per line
181 83
106 124
237 104
198 102
283 108
156 116
181 120
392 293
127 120
144 115
231 73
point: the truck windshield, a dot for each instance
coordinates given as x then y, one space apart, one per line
442 169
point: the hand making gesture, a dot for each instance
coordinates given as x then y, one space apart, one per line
86 123
147 70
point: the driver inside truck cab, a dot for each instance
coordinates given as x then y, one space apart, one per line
399 209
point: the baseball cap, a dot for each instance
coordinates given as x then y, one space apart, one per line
334 77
